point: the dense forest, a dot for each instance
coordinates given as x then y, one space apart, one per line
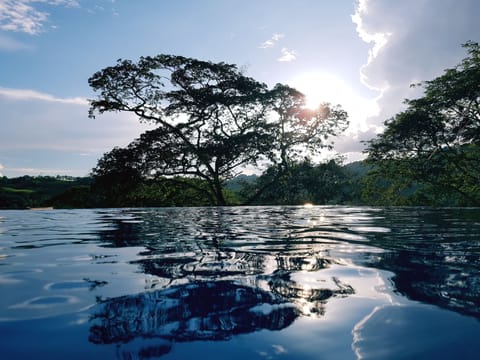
212 121
329 183
42 191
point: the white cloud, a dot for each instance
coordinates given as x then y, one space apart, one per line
27 94
1 168
23 15
20 171
379 39
287 55
63 126
270 43
267 44
277 37
38 130
412 41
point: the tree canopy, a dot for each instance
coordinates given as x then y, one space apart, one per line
435 142
211 121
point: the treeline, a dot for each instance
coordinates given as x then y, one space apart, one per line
38 191
327 183
212 121
430 152
304 182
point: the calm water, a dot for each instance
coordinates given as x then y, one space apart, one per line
240 283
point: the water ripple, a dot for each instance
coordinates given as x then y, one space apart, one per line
434 254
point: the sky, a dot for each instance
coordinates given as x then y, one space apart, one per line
361 54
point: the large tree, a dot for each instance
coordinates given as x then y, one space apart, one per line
436 140
211 120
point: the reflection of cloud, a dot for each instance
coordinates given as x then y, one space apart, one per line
23 16
287 55
376 336
279 349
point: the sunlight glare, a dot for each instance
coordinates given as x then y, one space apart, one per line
322 87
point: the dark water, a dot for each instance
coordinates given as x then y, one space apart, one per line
240 283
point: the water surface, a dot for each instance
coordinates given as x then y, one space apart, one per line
240 282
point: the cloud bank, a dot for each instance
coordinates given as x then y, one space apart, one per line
412 41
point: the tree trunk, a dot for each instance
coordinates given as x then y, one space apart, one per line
218 192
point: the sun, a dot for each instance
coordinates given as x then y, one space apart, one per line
323 87
320 87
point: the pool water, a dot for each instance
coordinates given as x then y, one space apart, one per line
322 282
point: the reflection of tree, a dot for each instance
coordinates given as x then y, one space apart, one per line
434 256
205 265
212 280
200 311
225 271
431 276
309 301
211 310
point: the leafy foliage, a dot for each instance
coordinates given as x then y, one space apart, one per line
434 145
300 132
325 183
211 121
28 191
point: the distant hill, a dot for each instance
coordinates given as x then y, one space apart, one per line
236 183
76 192
357 168
35 191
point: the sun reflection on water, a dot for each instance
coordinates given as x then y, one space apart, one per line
159 278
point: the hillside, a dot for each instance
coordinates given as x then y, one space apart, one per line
35 191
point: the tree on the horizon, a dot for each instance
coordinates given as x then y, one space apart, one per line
211 121
434 145
304 182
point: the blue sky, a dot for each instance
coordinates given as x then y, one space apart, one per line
362 54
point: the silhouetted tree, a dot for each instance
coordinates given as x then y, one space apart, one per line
211 120
304 182
436 140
